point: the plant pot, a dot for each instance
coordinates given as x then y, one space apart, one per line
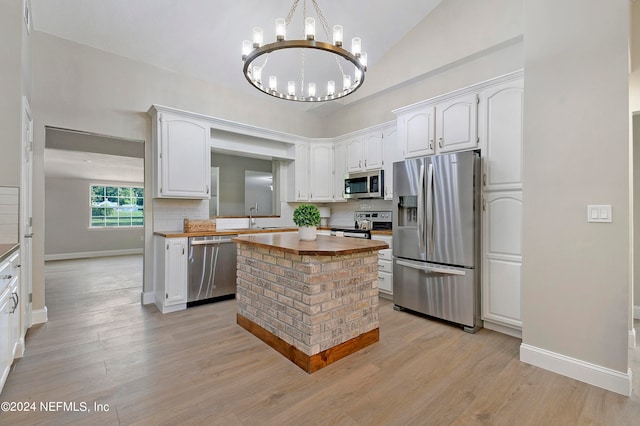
307 233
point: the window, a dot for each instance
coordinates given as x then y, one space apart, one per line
116 206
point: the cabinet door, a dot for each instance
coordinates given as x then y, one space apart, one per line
502 258
354 154
372 151
502 132
456 124
321 172
340 170
391 152
416 131
175 271
185 157
5 347
302 172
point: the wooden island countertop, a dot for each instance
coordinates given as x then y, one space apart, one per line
323 246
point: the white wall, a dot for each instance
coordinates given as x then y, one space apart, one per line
67 213
576 275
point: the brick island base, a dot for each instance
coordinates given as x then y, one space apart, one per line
314 309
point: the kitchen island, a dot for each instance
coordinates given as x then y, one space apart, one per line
315 302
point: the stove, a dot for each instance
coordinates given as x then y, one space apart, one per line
351 232
364 222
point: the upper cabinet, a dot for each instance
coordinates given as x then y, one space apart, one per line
434 127
312 172
181 156
501 130
391 151
364 152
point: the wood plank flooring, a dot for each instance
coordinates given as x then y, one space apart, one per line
199 367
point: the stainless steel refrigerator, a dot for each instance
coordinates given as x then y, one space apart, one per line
436 237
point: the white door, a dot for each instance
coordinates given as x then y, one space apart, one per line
26 215
456 124
321 172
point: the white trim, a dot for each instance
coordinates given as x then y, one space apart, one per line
503 329
632 338
171 308
148 298
636 312
87 254
39 316
592 374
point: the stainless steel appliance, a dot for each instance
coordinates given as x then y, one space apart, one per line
211 270
364 185
436 237
364 222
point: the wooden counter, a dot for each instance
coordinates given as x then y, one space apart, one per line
178 234
7 249
314 302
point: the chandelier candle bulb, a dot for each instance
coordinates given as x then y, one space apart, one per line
337 35
246 48
273 82
346 82
331 88
358 74
257 37
281 29
291 88
257 74
310 28
356 46
312 90
363 60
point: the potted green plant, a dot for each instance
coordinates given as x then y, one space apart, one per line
307 217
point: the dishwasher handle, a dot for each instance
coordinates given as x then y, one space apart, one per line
210 242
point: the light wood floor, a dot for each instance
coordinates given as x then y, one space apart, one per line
198 367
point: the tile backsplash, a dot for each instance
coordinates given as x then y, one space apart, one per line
169 214
9 215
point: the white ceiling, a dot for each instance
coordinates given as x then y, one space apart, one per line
60 163
203 38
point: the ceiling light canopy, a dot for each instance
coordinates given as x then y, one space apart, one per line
321 68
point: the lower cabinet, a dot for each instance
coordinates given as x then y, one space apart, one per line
9 314
385 267
171 260
502 261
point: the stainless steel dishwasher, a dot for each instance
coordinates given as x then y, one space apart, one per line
212 269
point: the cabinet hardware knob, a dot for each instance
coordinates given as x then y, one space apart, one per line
431 144
484 179
440 142
484 204
6 277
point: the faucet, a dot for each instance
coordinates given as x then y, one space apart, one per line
252 221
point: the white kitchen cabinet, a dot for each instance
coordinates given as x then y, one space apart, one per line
181 155
321 170
299 184
416 131
364 151
500 128
171 260
391 152
502 258
10 335
456 124
340 169
501 131
444 124
385 267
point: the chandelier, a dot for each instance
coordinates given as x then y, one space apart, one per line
265 65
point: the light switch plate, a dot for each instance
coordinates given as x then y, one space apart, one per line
599 213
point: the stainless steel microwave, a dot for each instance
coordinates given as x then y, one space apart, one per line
364 185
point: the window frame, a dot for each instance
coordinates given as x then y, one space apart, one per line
119 187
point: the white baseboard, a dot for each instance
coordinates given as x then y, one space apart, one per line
148 298
592 374
632 338
39 316
636 312
88 254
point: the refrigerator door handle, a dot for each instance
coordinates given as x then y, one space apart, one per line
435 269
430 208
421 234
